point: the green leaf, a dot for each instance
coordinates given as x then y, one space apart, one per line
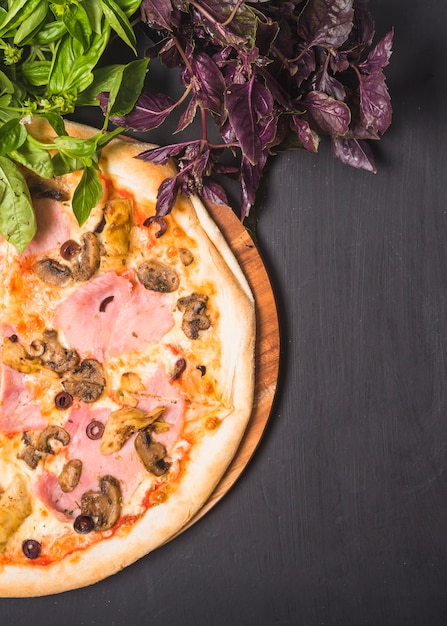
119 22
17 219
87 194
76 148
78 24
12 135
95 13
56 121
36 72
34 158
130 87
104 79
29 26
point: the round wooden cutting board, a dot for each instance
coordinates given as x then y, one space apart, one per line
267 352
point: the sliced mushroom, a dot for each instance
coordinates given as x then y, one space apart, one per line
55 356
122 423
195 317
86 381
30 455
157 276
53 272
48 435
88 262
15 506
14 355
70 475
151 453
186 256
104 506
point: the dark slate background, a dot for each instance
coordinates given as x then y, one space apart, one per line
340 519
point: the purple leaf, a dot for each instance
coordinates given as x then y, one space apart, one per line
304 67
160 156
167 194
326 23
157 13
309 139
250 179
354 152
330 85
212 84
379 56
150 111
245 103
187 116
212 192
375 102
331 116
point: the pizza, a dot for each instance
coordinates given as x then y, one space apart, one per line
127 374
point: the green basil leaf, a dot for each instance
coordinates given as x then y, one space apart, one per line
34 158
103 81
87 194
17 219
51 32
94 12
12 135
56 121
119 22
129 6
36 72
130 87
76 148
18 12
29 26
78 24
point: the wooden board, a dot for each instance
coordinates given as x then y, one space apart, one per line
267 348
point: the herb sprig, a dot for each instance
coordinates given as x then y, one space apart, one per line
49 53
272 75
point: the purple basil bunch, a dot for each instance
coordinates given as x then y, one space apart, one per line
272 75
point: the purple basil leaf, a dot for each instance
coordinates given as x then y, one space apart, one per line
375 102
354 152
244 104
187 116
149 112
240 30
167 194
326 23
213 192
160 156
304 67
265 36
379 56
250 179
308 138
157 13
212 85
331 116
330 85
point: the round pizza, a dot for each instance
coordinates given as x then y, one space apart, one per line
127 374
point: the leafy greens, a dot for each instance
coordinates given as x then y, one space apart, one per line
48 53
272 75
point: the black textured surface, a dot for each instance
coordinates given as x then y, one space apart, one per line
341 517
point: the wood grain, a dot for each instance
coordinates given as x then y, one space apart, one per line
267 348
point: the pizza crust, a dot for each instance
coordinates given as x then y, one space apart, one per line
208 460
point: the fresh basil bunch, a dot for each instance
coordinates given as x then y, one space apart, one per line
48 55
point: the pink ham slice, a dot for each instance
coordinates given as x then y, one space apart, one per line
53 226
110 316
18 412
125 465
159 391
